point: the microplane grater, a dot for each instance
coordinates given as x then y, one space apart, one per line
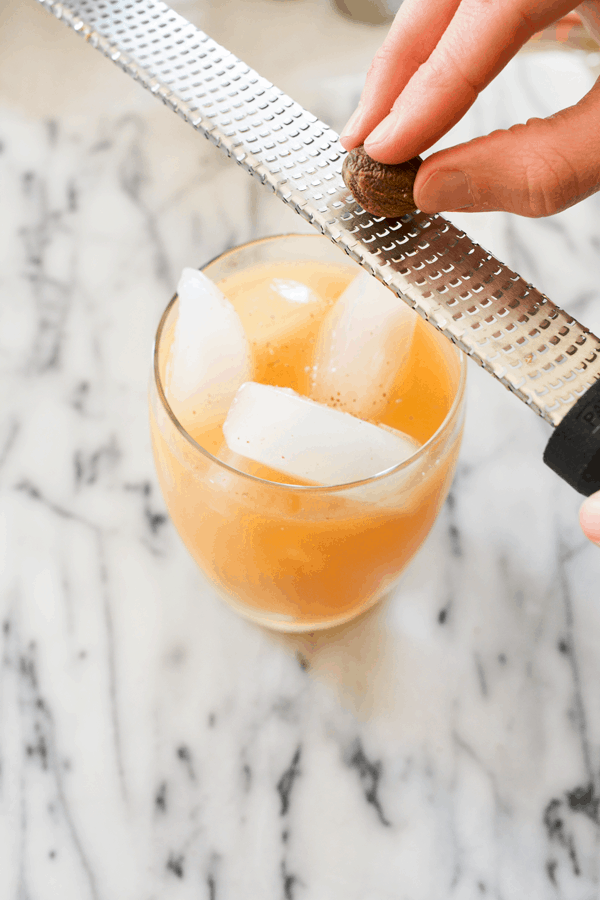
538 351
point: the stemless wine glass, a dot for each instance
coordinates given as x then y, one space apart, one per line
295 557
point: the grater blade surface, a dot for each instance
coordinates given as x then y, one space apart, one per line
538 351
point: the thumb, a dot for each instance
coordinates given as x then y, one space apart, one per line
533 170
589 517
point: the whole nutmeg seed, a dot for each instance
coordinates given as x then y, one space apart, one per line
383 190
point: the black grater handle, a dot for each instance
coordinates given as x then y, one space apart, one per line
573 450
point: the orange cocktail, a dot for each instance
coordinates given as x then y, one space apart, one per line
283 550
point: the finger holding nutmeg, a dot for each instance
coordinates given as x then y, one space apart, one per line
381 189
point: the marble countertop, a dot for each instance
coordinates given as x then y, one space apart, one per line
152 744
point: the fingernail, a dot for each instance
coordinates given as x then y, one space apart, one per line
383 131
352 123
444 190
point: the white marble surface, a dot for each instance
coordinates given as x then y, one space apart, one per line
153 745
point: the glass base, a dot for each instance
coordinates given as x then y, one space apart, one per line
289 625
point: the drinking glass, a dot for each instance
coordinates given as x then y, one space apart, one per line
295 557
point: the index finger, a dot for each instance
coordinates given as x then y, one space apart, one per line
480 39
417 27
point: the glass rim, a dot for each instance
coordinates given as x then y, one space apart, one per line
460 390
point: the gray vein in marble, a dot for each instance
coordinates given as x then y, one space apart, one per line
175 864
11 430
570 651
286 782
290 882
80 397
481 675
500 809
41 748
89 467
155 520
455 551
34 493
132 177
369 774
112 666
45 231
160 798
185 755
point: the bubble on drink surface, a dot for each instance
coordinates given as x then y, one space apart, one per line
210 357
363 343
308 440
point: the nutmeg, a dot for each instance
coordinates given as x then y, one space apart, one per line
383 190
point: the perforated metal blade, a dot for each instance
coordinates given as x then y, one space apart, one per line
535 349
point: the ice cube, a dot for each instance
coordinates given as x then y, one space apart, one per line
363 343
293 291
210 357
307 440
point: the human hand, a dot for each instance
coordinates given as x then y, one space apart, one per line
589 517
438 56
